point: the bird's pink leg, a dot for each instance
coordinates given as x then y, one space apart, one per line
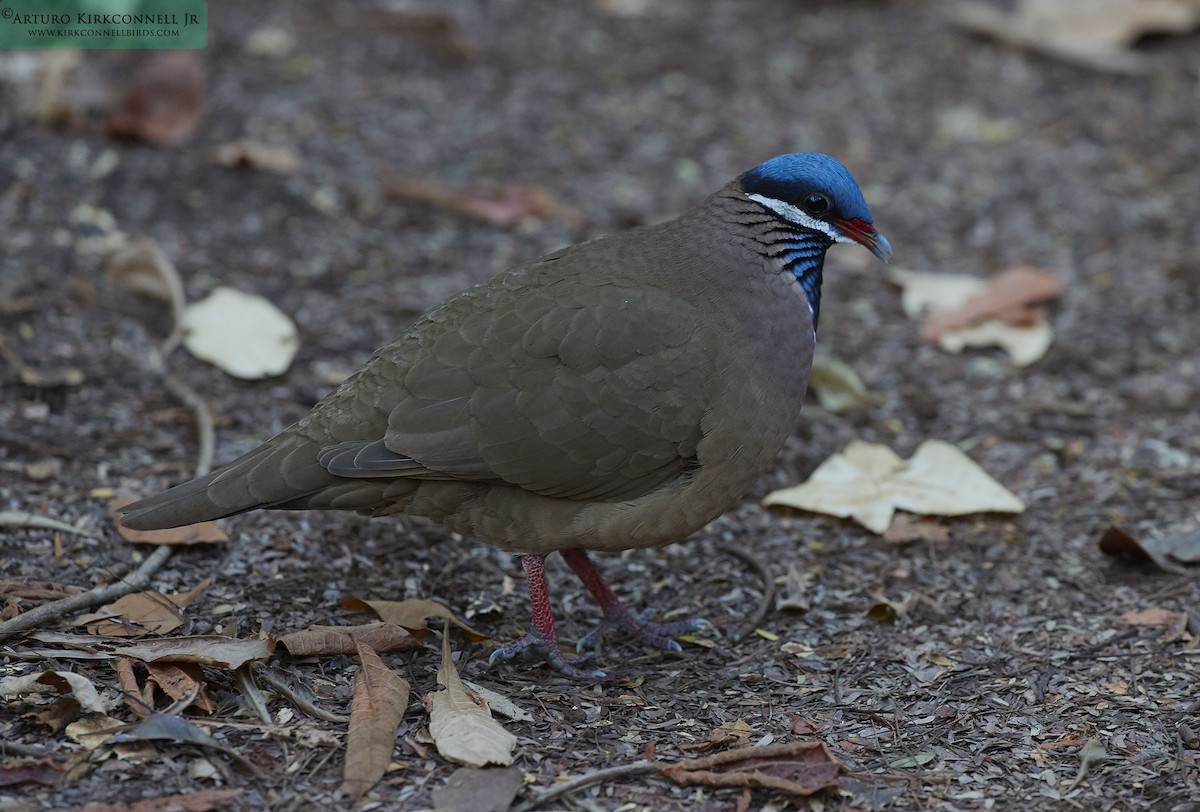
543 636
656 635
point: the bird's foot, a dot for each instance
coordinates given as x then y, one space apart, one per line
571 666
636 625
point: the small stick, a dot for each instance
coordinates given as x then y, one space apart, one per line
768 597
300 702
566 787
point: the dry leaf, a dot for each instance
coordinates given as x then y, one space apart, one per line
837 387
210 649
45 771
736 733
464 732
905 528
93 731
411 613
241 333
795 768
965 311
794 596
504 207
380 699
868 482
470 790
59 681
134 615
499 703
1013 296
1092 33
165 101
179 682
245 152
57 715
204 800
381 637
1120 544
200 533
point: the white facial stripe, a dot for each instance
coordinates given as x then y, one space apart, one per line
789 212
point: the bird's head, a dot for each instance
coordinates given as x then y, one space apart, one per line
814 192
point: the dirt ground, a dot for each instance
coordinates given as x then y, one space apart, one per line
1011 652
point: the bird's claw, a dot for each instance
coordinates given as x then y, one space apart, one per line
637 626
532 642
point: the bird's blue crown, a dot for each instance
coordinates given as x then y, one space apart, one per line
792 178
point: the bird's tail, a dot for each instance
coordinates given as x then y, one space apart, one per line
280 471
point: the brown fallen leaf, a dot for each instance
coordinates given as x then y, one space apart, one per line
729 734
381 637
45 771
179 682
209 649
165 102
1012 296
1118 543
794 768
57 715
34 593
245 152
201 533
139 699
203 800
464 732
380 699
905 528
1096 34
412 614
471 790
504 208
142 613
134 615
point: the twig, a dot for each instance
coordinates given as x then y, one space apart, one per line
139 579
205 436
23 518
311 708
768 596
136 581
566 787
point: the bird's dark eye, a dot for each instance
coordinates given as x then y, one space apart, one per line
816 204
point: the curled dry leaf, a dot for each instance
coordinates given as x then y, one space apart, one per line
209 649
1159 550
200 533
59 681
1156 618
1093 33
380 699
411 613
251 154
795 768
241 333
837 386
45 771
499 703
965 311
464 732
165 101
381 637
868 482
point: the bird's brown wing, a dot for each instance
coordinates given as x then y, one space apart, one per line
571 388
